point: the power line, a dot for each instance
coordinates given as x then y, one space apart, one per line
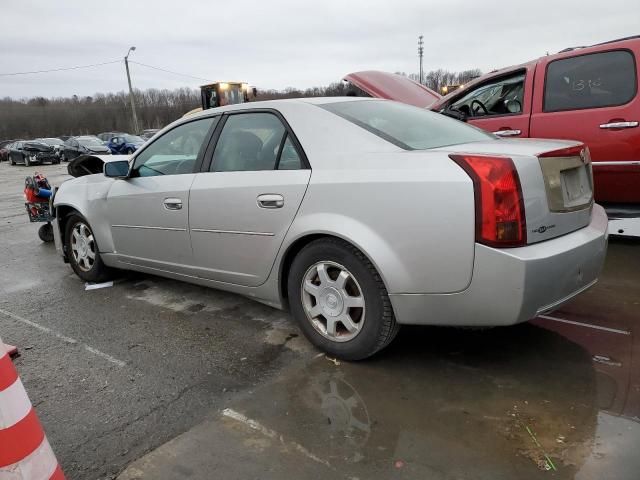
59 69
169 71
62 69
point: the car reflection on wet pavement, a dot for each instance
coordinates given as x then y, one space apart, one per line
559 396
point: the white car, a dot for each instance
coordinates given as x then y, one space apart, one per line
357 214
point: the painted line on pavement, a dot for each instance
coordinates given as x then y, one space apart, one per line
267 432
64 338
587 325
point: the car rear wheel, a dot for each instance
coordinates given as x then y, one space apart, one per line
82 251
340 301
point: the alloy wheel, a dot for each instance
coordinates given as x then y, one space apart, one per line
83 246
333 301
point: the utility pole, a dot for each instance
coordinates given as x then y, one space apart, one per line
420 53
136 130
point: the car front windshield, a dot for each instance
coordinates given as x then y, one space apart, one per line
406 126
90 142
132 139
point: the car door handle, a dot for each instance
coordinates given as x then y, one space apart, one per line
270 200
507 132
172 204
619 125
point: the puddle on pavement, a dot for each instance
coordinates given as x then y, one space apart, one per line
520 402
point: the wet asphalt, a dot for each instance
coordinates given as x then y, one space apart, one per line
233 388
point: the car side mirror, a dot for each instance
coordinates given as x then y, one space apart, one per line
117 169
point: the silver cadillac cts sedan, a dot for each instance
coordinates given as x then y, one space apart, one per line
356 214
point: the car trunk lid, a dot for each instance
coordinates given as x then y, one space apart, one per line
556 181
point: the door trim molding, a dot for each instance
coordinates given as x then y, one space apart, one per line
144 227
233 232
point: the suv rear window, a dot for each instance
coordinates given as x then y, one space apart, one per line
406 126
590 81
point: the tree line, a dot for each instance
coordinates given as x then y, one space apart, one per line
43 117
155 108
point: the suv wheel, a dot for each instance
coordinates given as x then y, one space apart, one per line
340 301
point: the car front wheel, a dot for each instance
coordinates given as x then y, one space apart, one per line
340 301
82 250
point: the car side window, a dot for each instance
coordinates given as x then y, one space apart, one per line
248 142
593 80
176 151
503 96
289 158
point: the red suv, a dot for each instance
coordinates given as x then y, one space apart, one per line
587 93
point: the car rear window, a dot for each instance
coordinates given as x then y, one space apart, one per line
406 126
590 81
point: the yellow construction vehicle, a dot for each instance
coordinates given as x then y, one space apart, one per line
219 94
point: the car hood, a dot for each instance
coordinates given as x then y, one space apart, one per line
37 146
393 87
91 164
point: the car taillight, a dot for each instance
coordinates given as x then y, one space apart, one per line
500 219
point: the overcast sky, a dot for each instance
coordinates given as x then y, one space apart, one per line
280 43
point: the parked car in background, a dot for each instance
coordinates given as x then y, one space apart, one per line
148 133
86 144
410 217
32 152
106 136
5 146
125 144
56 143
587 93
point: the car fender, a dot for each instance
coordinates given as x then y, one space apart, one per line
351 230
87 195
404 222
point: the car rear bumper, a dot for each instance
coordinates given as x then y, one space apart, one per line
515 285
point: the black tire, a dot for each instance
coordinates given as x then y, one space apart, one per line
63 158
45 232
12 161
97 271
379 327
27 162
128 151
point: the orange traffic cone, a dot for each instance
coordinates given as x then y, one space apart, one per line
25 453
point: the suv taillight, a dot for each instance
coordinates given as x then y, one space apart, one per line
500 220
